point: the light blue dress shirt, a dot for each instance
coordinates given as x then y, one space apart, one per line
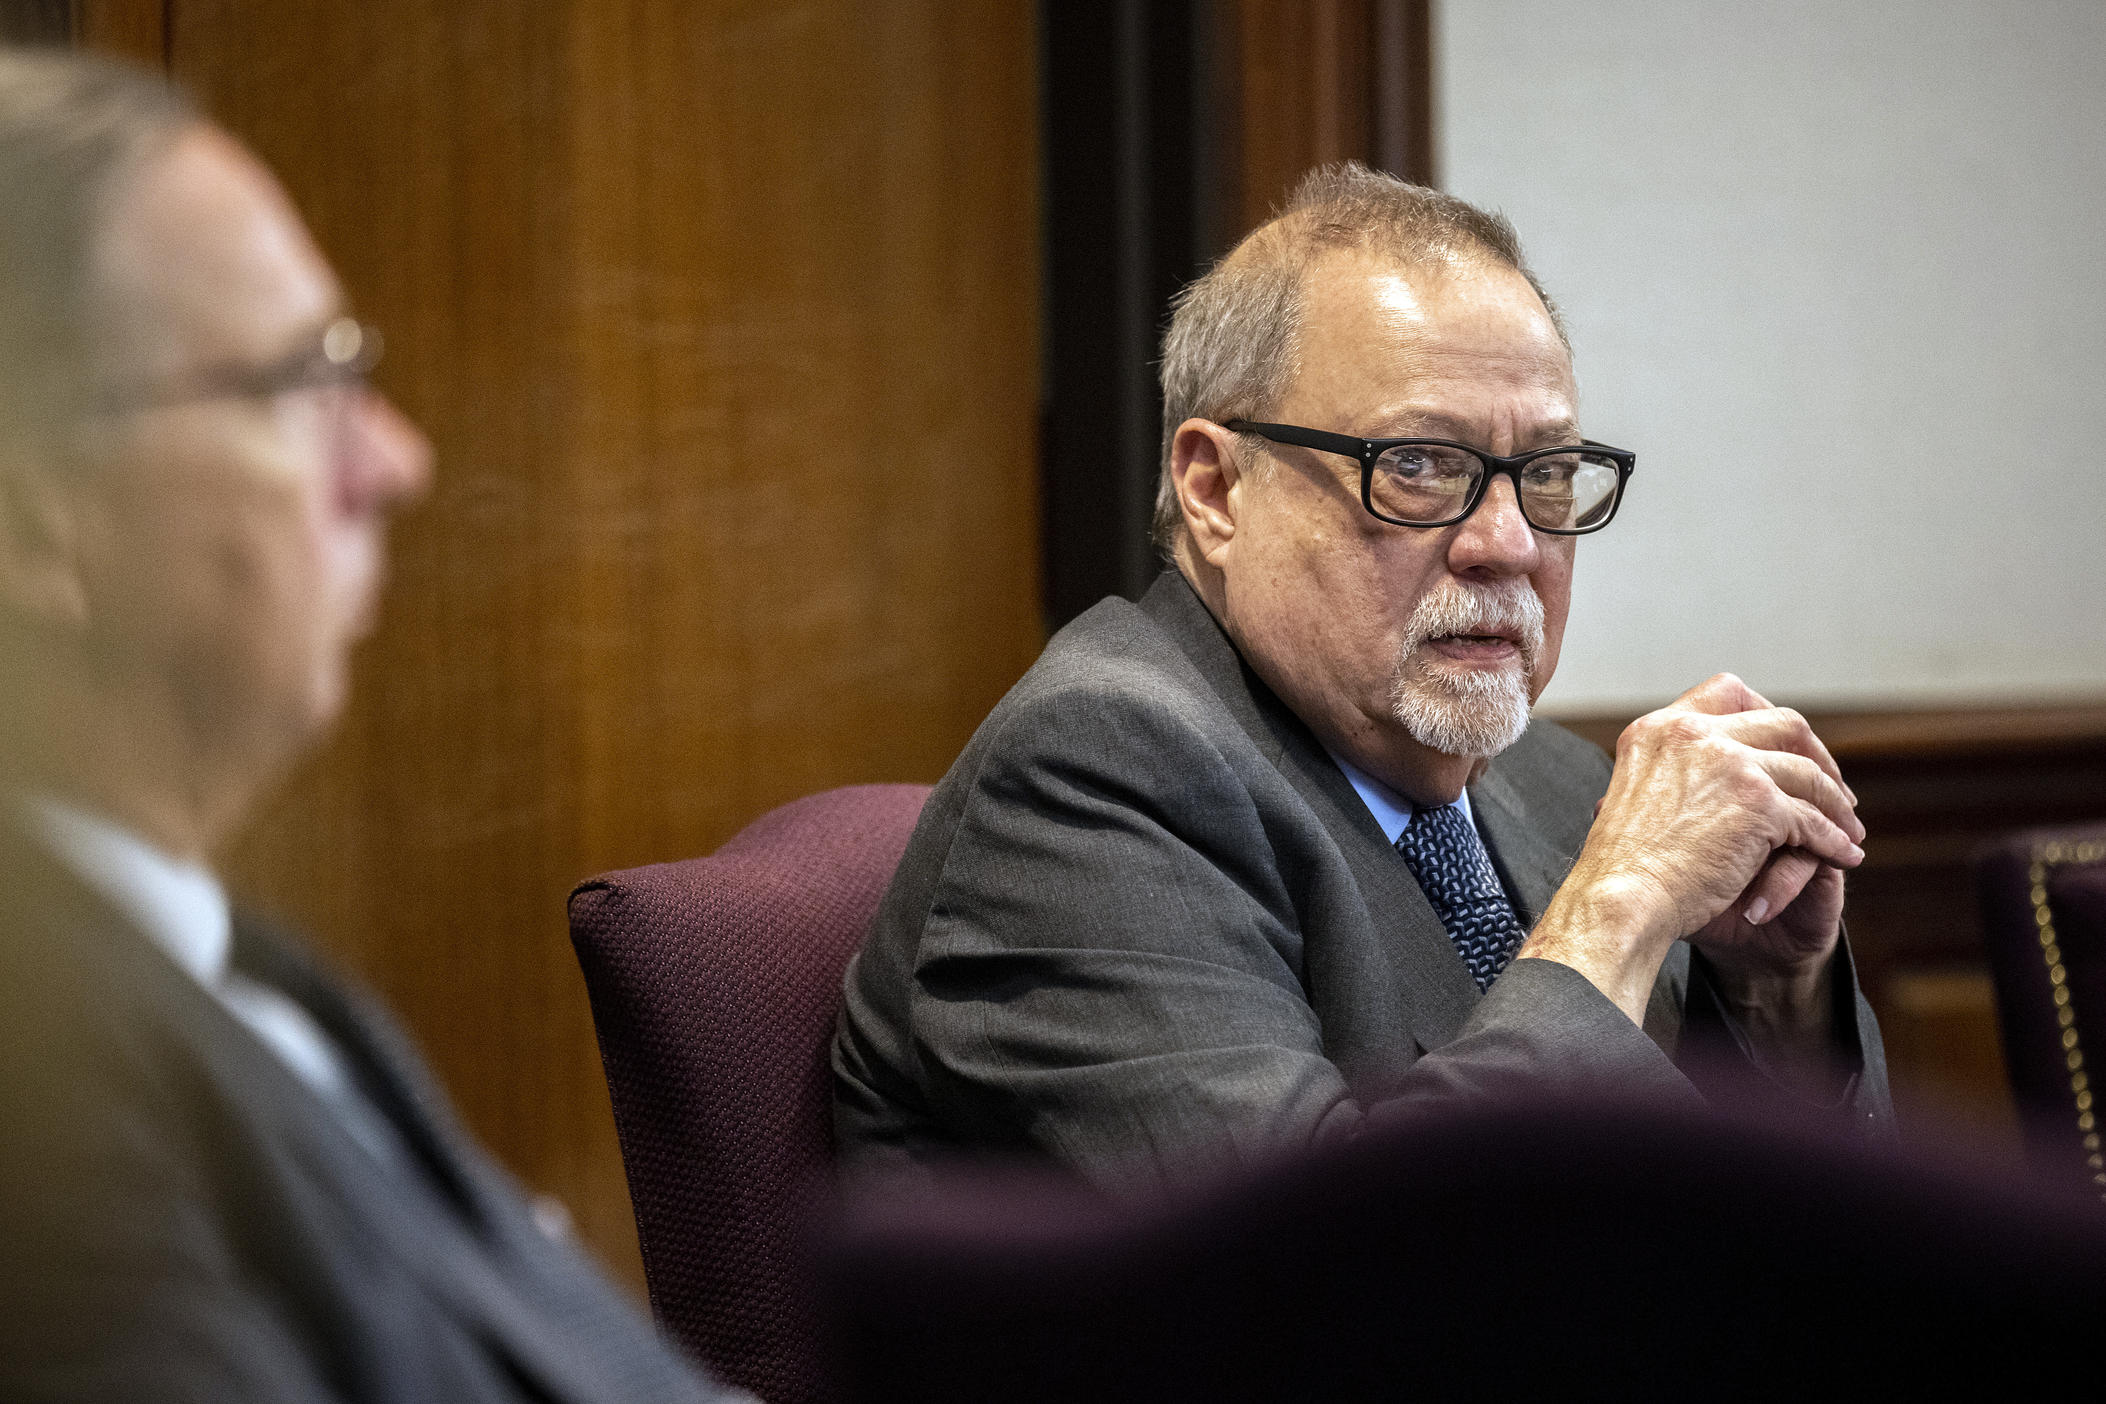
183 910
1391 810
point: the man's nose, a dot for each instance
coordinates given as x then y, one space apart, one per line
1495 540
388 459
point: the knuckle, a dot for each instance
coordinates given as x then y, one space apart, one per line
1750 787
1650 729
1682 728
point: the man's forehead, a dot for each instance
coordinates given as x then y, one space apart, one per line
203 259
1462 298
1375 329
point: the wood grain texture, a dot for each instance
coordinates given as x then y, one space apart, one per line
1940 1030
133 29
1401 103
723 318
1318 81
1302 73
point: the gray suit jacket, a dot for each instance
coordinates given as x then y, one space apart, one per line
183 1219
1146 923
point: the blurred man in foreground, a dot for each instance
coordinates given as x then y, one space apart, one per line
1279 851
226 1176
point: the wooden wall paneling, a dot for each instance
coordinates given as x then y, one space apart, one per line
845 433
133 29
1328 80
1302 74
36 21
723 321
430 841
1401 102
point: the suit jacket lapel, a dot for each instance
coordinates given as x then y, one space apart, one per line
378 1059
1428 973
451 1229
460 1232
1531 864
1422 959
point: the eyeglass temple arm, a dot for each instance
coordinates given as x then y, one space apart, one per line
1302 438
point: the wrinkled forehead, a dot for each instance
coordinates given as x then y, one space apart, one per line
203 260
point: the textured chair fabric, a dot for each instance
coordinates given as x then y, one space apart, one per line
2044 917
1589 1252
715 984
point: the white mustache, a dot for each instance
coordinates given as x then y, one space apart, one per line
1506 607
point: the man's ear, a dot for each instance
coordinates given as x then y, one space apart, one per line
1204 471
40 579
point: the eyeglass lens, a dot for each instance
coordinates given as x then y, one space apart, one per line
1426 483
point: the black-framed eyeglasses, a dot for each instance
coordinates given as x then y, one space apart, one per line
1566 491
341 355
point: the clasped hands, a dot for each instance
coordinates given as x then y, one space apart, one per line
1727 822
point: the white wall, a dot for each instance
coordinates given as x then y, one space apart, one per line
1837 272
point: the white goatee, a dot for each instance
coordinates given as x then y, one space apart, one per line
1460 710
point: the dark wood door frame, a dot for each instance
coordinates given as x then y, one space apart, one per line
1171 128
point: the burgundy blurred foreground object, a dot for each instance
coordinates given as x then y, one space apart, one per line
2044 918
1564 1252
715 984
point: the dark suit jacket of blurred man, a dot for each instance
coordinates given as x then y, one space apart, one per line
1142 816
186 1219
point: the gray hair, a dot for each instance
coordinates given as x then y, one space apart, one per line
73 128
1229 352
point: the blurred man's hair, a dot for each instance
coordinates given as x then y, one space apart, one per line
72 129
1230 350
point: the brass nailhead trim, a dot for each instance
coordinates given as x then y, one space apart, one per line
2047 857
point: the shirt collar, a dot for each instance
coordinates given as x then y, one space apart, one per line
1391 810
180 906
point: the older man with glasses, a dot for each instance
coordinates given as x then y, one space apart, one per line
223 1175
1279 850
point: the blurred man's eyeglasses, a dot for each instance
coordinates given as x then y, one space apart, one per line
1565 491
342 355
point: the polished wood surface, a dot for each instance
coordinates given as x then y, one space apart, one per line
1402 100
1324 80
135 29
723 318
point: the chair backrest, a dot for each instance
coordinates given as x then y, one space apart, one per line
1571 1250
2044 917
715 985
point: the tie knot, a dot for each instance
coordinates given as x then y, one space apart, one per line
1443 824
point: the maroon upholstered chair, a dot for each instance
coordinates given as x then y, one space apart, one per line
715 983
2044 918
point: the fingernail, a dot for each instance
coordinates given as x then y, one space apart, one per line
1755 911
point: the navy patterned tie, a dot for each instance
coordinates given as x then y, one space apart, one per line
1455 872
